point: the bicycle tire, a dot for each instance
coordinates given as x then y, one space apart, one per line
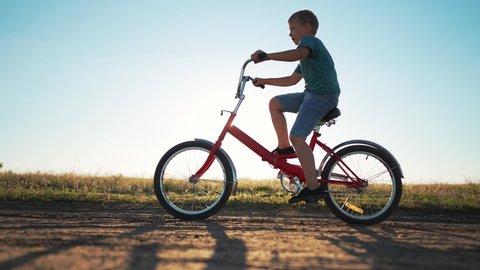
190 200
368 205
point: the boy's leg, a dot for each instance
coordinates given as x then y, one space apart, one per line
307 161
278 105
279 123
312 191
313 108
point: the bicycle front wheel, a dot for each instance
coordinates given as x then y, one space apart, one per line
363 205
185 198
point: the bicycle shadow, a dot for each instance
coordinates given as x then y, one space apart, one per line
381 247
67 245
143 256
228 253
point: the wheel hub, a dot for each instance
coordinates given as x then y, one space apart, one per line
193 179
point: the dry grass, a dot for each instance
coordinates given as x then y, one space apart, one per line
74 187
105 189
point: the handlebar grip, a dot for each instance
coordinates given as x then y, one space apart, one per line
262 55
261 85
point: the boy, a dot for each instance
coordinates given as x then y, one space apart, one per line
320 96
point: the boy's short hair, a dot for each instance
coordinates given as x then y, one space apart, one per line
306 17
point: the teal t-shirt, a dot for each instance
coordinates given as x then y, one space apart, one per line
318 69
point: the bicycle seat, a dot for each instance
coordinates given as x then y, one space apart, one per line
331 115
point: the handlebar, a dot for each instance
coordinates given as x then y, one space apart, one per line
243 79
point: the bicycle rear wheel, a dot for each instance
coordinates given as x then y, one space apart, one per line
364 205
185 198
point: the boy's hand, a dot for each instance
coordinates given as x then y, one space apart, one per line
258 82
259 56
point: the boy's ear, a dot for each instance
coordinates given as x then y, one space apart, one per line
309 27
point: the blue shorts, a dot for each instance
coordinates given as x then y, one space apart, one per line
310 109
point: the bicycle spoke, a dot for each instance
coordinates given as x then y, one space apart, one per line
187 197
363 204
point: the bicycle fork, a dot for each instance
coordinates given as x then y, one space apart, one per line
211 156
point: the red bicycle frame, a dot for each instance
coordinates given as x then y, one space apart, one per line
276 160
280 161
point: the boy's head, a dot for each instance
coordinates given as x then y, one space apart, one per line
306 17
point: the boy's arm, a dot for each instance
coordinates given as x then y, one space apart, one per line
286 56
283 81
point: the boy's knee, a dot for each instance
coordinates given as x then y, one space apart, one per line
295 139
274 104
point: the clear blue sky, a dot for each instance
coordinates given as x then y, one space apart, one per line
106 87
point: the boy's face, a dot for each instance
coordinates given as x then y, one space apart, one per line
298 30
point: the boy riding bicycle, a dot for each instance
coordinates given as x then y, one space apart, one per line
320 96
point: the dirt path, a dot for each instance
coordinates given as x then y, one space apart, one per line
86 236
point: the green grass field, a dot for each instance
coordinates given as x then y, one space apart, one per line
47 187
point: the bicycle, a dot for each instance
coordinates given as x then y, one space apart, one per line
194 179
